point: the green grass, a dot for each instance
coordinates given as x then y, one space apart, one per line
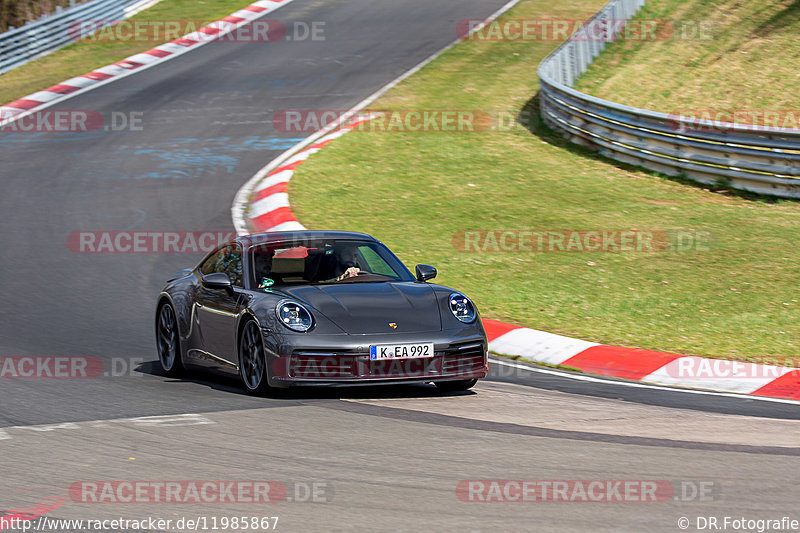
746 60
415 191
82 57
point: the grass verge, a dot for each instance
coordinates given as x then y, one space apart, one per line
82 57
723 56
416 191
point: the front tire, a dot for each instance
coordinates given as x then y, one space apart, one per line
455 386
252 360
168 341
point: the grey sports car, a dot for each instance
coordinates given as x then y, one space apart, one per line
318 308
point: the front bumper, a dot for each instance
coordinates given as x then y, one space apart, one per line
463 358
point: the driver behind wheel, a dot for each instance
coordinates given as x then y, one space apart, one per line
346 256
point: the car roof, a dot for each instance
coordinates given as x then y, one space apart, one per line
248 241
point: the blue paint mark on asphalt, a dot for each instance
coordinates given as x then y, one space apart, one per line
179 158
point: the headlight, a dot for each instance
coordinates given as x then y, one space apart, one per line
462 308
294 316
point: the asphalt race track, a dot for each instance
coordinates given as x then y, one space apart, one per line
385 458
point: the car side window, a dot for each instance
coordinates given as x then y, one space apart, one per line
227 260
210 264
231 264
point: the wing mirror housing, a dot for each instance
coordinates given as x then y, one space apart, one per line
218 281
425 272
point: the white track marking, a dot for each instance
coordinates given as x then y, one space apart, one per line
170 420
188 419
50 427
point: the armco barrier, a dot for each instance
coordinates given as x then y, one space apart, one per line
758 159
20 45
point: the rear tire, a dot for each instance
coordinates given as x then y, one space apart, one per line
168 341
252 360
455 386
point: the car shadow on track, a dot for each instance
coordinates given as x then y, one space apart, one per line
225 383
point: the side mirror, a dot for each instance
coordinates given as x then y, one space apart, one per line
218 281
425 272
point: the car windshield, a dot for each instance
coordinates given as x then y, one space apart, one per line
324 261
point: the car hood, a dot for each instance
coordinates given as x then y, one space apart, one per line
364 308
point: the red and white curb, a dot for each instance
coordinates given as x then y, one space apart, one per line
659 368
135 63
269 210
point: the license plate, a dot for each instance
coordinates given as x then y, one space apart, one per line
400 351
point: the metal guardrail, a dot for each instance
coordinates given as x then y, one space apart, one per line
761 159
35 39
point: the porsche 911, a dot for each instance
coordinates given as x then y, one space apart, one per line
318 308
